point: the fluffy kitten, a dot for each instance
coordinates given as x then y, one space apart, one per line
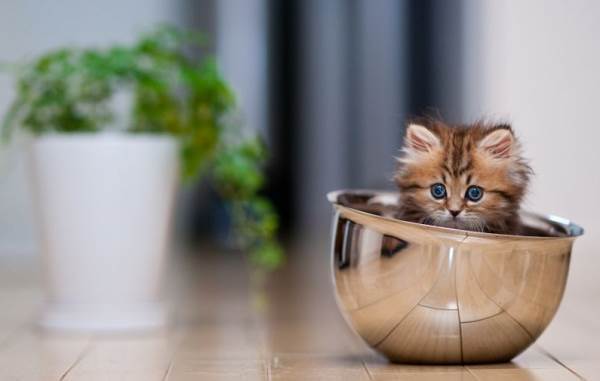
466 177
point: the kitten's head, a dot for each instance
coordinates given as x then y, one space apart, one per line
465 177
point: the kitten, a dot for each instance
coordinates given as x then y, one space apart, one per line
465 177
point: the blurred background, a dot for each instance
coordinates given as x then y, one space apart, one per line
331 83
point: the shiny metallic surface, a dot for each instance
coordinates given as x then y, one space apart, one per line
425 294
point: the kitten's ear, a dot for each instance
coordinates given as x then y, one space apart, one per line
499 142
421 139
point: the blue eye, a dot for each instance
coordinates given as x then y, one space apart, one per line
474 193
438 191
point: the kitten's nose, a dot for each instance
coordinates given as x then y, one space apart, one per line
454 212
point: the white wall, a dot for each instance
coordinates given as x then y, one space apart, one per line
29 27
537 64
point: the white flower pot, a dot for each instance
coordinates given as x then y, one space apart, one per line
104 205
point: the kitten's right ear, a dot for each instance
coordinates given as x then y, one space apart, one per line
421 139
499 142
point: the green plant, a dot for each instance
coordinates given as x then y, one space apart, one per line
71 90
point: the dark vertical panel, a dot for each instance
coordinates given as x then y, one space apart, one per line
420 98
283 58
447 58
200 15
201 214
353 50
435 68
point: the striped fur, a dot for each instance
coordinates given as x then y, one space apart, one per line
483 154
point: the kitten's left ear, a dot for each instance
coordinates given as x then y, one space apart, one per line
499 142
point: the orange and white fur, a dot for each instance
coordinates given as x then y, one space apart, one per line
470 177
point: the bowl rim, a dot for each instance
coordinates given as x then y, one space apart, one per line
573 230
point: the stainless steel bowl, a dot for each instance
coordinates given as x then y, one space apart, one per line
426 294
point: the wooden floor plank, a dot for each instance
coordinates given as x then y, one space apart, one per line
307 367
533 364
532 358
203 369
226 328
573 338
137 357
521 374
36 356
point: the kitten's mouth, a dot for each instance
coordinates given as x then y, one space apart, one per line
459 222
452 222
462 221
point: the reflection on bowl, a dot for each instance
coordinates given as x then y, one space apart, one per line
426 294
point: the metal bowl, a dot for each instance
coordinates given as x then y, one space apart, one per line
433 295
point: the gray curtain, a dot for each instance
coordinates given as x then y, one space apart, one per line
342 78
365 67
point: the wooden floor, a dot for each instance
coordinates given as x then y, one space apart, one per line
228 326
